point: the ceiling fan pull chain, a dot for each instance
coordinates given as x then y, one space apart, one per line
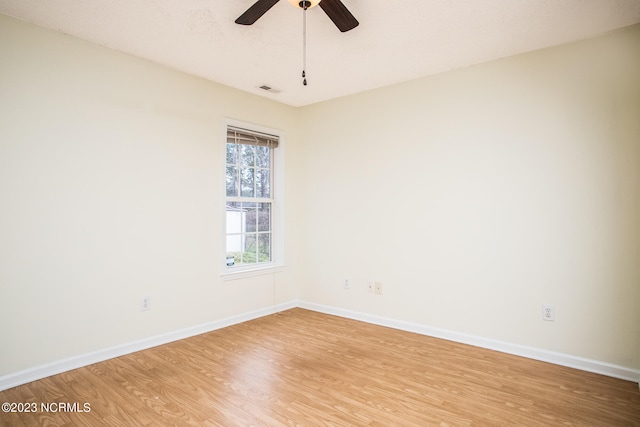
304 42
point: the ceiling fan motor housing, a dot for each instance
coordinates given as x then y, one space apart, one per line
304 4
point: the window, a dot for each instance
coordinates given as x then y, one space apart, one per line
249 197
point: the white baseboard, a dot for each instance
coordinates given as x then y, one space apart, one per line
575 362
64 365
57 367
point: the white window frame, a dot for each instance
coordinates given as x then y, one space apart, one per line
277 212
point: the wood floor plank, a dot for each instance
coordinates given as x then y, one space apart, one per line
302 368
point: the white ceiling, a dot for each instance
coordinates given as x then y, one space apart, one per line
396 40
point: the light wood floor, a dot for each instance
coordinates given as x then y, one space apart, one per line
302 368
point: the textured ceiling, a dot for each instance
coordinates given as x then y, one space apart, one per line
396 40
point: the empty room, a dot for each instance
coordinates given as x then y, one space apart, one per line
338 213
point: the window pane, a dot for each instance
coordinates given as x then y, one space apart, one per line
264 247
232 181
264 216
247 155
250 244
234 246
262 183
263 159
232 154
248 182
251 217
236 218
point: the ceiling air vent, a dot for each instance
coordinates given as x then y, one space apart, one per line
269 89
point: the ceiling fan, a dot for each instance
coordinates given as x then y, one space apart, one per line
335 10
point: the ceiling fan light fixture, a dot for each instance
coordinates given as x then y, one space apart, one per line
298 3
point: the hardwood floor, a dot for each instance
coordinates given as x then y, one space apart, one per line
302 368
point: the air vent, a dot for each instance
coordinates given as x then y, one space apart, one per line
269 89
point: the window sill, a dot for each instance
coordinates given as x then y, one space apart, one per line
251 272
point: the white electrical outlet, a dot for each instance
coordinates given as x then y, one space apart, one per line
145 303
378 288
371 286
548 312
345 285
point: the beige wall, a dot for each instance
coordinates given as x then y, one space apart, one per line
472 196
110 190
475 196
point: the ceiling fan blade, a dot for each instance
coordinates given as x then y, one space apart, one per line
258 9
339 14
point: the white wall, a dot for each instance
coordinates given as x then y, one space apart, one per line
111 188
515 183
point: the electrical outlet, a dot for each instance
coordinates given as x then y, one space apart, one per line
345 285
371 286
548 313
145 303
378 288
